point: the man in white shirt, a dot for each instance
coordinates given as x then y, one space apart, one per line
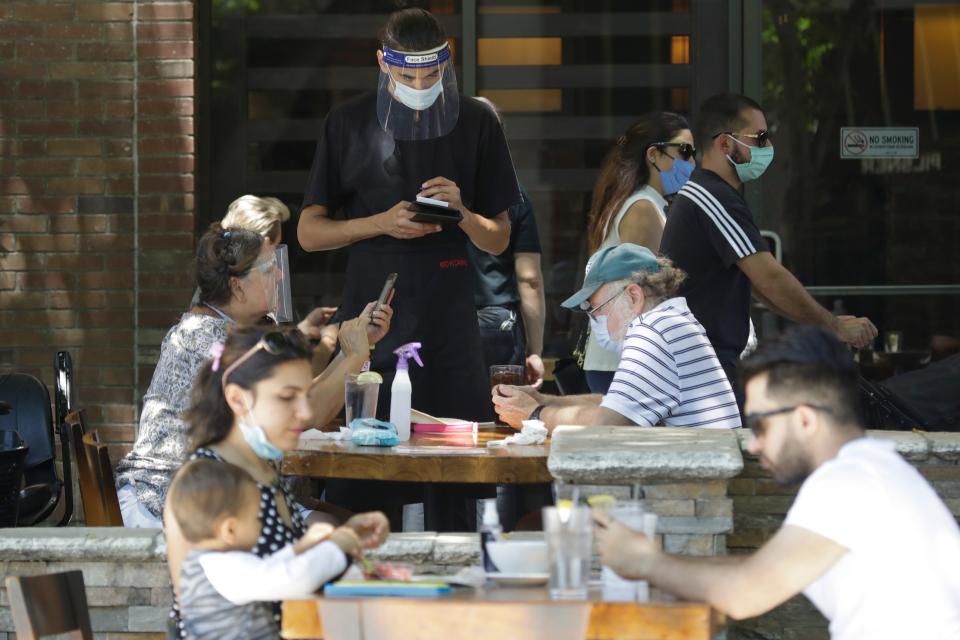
668 374
867 539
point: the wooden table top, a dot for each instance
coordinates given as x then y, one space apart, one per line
523 612
433 457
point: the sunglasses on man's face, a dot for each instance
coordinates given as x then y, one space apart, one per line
274 343
755 421
762 137
686 150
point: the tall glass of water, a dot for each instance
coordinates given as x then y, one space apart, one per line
569 533
360 398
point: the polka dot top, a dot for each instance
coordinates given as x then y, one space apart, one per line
274 535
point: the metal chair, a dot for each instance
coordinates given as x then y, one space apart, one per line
63 404
30 416
51 604
13 453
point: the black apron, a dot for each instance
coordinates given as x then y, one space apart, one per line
433 305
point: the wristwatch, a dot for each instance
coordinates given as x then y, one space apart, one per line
535 414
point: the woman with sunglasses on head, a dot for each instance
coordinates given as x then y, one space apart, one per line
653 159
235 273
249 405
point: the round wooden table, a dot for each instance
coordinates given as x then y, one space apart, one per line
425 458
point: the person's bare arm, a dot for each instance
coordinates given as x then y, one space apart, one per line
490 234
515 404
641 225
533 308
741 587
779 289
317 232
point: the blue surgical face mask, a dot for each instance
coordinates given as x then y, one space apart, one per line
256 437
598 327
760 159
677 176
417 99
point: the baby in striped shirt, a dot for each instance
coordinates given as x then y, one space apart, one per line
226 592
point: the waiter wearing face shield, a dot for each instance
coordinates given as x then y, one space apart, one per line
416 136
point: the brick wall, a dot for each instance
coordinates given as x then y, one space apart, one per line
96 191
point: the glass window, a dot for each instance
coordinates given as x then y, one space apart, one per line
863 103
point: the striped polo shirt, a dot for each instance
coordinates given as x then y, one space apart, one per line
669 374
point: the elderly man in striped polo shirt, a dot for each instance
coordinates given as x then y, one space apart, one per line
668 373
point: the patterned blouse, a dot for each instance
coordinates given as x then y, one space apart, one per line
162 441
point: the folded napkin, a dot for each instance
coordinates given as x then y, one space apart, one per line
533 432
316 434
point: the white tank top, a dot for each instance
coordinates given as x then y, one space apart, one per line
597 358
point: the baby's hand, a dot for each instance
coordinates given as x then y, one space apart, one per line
347 539
317 533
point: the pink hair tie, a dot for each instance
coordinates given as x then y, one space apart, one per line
216 352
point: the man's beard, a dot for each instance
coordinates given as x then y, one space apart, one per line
793 467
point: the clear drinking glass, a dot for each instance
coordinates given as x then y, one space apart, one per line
360 398
569 533
632 514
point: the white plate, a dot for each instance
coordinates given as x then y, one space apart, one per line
519 579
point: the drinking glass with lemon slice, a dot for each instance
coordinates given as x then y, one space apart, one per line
360 392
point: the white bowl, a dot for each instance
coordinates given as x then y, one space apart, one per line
519 556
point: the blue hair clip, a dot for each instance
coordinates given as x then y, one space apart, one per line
226 234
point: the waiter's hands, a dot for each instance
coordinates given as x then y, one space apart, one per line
396 222
515 404
858 332
441 188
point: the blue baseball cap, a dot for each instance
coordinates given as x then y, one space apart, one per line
612 264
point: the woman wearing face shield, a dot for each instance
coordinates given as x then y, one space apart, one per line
415 136
236 277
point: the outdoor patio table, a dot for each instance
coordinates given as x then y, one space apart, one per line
496 613
426 457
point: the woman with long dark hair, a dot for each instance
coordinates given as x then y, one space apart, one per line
651 160
249 405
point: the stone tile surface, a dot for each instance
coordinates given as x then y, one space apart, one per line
625 455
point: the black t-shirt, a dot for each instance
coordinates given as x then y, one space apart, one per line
709 228
362 170
494 277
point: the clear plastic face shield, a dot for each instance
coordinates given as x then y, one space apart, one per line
282 302
417 96
265 276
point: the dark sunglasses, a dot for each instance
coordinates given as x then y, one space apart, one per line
762 137
687 151
273 342
754 421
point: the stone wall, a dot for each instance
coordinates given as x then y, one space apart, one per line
760 506
125 571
